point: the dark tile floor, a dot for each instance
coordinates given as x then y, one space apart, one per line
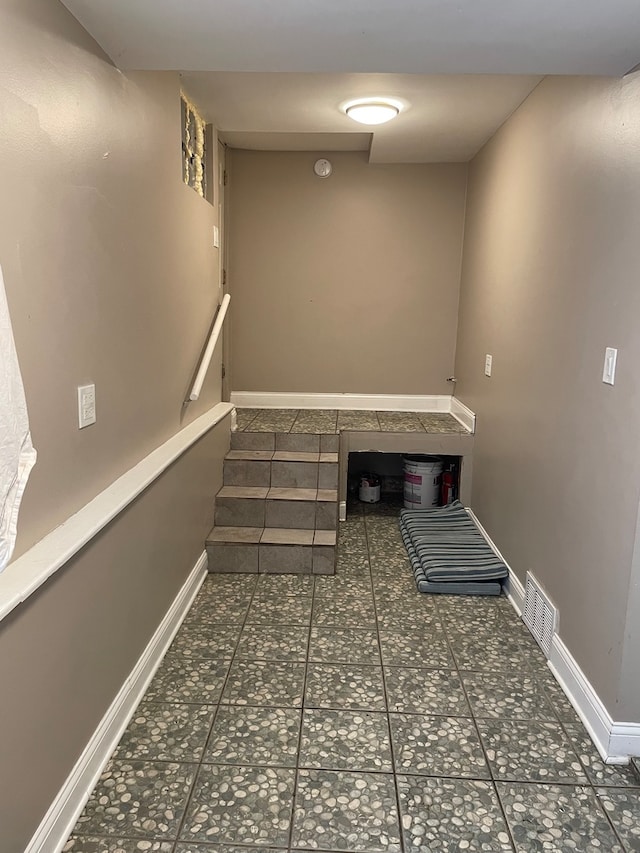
353 714
329 421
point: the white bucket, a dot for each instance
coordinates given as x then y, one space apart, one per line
422 481
369 489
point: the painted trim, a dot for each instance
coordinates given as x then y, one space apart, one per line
342 511
365 402
614 741
463 414
67 807
26 574
512 585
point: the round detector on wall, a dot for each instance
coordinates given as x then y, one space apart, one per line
322 168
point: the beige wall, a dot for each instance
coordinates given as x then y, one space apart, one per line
107 256
66 652
550 278
343 284
111 278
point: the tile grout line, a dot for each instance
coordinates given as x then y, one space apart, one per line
386 697
213 721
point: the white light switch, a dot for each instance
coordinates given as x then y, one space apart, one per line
488 364
609 372
86 405
216 237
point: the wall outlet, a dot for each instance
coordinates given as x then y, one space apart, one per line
488 364
86 405
609 370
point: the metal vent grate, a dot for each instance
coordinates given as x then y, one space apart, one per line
539 614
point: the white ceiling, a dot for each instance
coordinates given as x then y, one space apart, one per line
445 118
460 66
404 36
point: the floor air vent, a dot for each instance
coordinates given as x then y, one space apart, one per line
539 615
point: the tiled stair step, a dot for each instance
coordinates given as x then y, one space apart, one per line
309 443
276 550
255 506
281 469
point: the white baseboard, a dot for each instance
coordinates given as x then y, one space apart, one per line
366 402
342 511
614 741
63 813
512 586
463 414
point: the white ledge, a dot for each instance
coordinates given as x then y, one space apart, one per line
23 577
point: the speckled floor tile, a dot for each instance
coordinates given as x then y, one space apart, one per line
392 618
430 745
509 696
241 805
422 648
269 683
487 654
399 422
280 610
556 695
274 420
191 847
138 799
180 679
315 421
234 583
326 587
530 751
284 585
425 691
207 608
347 612
345 811
599 773
244 417
274 642
440 422
88 844
344 645
260 736
556 818
357 421
162 731
345 740
623 808
451 815
345 686
204 640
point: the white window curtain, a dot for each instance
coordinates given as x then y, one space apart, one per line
17 455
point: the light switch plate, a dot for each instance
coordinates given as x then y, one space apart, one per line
488 364
86 405
609 370
216 237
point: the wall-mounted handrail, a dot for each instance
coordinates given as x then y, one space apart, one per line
211 345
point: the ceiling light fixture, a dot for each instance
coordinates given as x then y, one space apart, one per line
372 112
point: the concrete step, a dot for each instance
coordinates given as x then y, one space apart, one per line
305 442
252 506
286 469
276 550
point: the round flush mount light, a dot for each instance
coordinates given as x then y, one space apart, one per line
372 111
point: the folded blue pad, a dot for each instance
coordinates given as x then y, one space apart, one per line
449 554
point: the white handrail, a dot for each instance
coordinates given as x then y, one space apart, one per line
211 345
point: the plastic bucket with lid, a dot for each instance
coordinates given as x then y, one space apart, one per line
422 481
